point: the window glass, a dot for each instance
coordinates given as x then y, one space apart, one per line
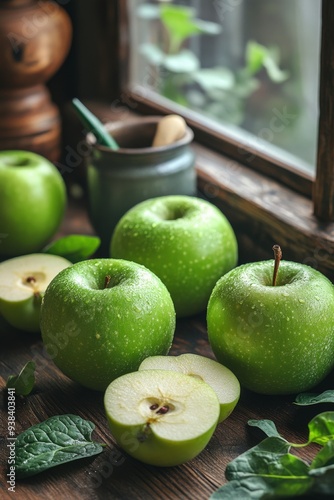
249 67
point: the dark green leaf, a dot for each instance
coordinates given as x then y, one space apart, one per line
309 398
321 428
324 457
323 481
74 247
57 440
258 487
24 382
257 458
267 426
266 469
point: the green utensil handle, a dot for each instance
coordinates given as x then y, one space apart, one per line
94 125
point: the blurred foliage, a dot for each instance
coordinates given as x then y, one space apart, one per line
218 92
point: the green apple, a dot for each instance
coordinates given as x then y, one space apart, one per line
161 417
184 240
100 318
32 202
276 338
23 281
221 379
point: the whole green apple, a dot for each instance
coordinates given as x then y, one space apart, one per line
32 202
277 339
100 318
161 417
184 240
23 281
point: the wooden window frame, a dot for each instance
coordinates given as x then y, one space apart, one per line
267 201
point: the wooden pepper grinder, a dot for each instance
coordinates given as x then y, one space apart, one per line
35 37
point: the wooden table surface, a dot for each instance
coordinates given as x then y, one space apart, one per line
112 474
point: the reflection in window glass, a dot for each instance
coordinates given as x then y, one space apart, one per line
250 67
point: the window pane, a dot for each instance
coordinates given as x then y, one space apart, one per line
250 67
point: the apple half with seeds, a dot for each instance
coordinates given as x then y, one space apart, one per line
161 417
219 377
23 281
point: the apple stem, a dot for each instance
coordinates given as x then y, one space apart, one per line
278 256
107 280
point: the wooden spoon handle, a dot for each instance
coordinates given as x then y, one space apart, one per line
171 128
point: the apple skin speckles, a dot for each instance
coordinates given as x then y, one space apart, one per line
184 240
32 202
276 339
133 316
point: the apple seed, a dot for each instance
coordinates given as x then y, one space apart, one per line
30 279
31 282
163 409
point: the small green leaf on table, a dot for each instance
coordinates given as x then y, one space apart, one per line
309 398
24 382
267 426
74 247
59 439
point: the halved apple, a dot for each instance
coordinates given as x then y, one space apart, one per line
161 417
220 378
23 281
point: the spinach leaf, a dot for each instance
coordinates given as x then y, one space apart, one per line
246 463
264 471
323 480
24 382
74 247
267 426
309 398
258 487
324 457
321 428
269 470
59 439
